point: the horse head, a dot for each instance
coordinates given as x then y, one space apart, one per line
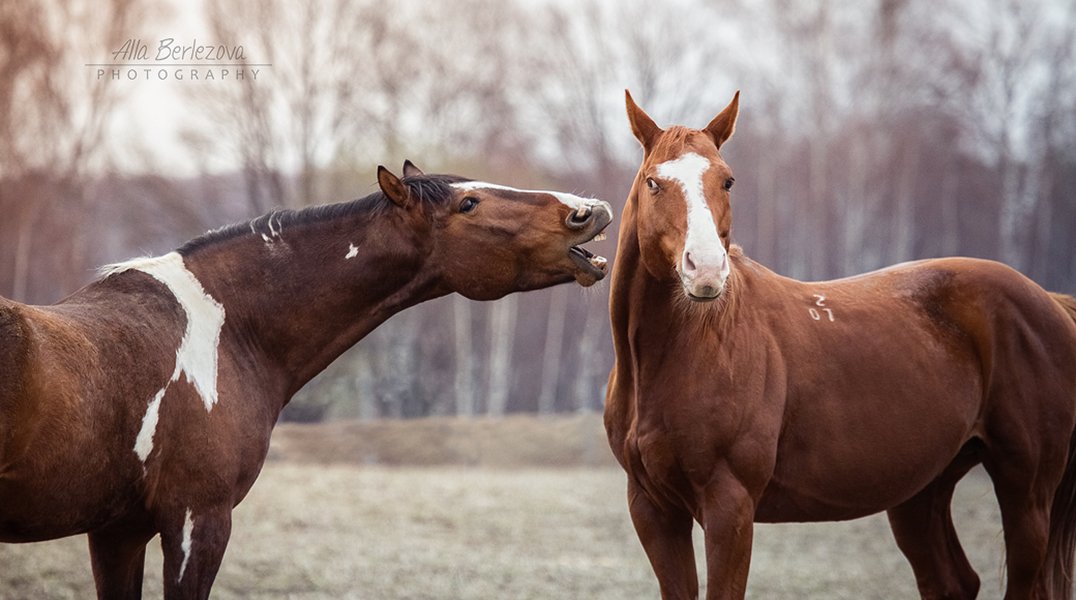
680 201
485 240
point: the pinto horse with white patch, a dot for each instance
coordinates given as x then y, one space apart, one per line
739 395
144 402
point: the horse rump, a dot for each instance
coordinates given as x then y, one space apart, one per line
1062 545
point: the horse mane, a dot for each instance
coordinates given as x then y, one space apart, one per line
428 190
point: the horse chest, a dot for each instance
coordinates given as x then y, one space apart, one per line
672 456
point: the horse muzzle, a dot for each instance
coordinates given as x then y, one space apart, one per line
703 281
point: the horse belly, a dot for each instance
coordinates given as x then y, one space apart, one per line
852 475
873 438
63 480
51 506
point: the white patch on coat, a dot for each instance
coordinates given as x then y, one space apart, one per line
571 200
352 251
702 239
197 355
144 442
185 545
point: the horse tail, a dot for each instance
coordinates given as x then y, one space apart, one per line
1067 302
1061 548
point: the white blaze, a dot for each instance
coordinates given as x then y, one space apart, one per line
571 200
352 251
185 545
702 239
197 355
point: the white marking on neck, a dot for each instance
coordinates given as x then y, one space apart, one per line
702 238
571 200
273 231
197 355
352 251
185 545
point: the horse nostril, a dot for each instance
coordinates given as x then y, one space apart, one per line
580 216
689 265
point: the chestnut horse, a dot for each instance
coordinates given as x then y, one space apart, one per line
739 395
144 402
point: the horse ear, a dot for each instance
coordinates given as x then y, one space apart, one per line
644 128
724 124
410 170
393 187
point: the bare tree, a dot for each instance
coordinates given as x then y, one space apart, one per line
52 124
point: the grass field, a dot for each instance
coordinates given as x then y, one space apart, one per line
319 525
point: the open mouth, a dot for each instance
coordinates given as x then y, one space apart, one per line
592 267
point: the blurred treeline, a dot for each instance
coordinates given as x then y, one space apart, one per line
870 133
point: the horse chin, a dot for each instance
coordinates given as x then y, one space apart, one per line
589 269
704 299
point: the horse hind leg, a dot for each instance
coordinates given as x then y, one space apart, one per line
924 531
118 557
1025 492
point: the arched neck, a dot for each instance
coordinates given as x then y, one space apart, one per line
300 296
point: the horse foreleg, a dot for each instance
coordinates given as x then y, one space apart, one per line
665 534
728 518
118 556
923 528
193 543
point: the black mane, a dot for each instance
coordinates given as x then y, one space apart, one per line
429 190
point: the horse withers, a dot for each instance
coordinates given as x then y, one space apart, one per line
738 395
144 402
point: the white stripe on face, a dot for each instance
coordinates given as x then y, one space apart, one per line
702 240
570 200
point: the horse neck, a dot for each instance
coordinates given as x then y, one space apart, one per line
302 296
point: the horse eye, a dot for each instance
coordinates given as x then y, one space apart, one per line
652 185
469 204
728 183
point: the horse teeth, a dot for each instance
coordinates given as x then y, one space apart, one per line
600 237
598 261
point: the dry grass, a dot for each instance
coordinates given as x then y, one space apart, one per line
371 531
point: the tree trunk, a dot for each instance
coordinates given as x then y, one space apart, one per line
586 392
551 355
502 333
464 381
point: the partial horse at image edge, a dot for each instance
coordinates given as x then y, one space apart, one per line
144 402
739 395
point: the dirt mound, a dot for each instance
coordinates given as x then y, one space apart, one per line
514 441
